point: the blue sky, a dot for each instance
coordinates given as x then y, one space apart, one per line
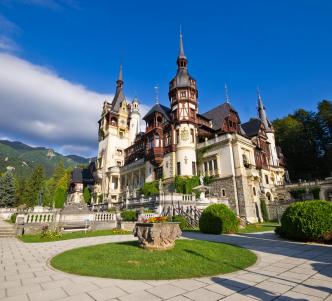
284 47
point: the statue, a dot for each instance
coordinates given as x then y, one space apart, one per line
40 198
160 186
127 192
201 180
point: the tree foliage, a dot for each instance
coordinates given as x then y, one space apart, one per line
306 141
7 190
87 195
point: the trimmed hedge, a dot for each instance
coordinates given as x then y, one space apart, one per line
183 222
217 219
129 216
307 221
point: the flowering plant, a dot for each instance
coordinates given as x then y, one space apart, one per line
158 219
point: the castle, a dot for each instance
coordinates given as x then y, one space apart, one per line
242 158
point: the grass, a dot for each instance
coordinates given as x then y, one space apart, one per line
189 258
71 235
269 226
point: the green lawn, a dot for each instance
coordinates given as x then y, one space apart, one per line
269 226
189 258
72 235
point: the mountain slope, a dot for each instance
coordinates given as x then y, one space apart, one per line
23 158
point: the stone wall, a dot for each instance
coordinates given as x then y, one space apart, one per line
228 185
275 211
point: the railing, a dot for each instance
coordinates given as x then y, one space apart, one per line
105 216
32 218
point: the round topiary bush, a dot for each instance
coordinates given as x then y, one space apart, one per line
129 215
217 219
307 221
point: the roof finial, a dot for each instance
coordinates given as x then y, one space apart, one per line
261 111
120 73
181 52
227 98
156 90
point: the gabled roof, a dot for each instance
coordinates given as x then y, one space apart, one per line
218 114
165 111
252 127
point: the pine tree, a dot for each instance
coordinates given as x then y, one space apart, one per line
60 196
34 185
7 190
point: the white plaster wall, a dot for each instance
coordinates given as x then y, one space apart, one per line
274 155
186 151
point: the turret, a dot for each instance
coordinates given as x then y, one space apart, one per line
183 99
135 120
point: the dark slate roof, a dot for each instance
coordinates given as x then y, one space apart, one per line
252 127
76 176
181 79
165 111
117 100
218 114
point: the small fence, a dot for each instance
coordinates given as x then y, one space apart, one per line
31 218
104 217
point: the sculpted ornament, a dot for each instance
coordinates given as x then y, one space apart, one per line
185 134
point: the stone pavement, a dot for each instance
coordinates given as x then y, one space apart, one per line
284 271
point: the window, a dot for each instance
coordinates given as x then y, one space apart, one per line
223 192
192 94
183 94
266 179
158 173
177 136
215 164
118 163
119 152
178 168
210 165
156 141
254 191
206 169
121 134
193 168
245 160
192 135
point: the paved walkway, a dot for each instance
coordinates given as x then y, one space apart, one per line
285 271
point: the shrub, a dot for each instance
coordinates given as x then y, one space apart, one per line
129 215
264 211
47 233
150 188
13 218
183 222
307 221
297 193
217 219
185 184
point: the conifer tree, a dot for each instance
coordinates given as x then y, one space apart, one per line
87 195
7 190
34 185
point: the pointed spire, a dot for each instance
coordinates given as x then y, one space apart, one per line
227 98
261 111
181 50
120 73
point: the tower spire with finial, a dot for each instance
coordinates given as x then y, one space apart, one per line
181 49
156 90
227 98
261 110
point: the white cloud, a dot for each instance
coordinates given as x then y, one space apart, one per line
38 106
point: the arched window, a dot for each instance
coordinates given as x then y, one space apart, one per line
268 196
114 122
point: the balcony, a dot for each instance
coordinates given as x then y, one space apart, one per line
155 155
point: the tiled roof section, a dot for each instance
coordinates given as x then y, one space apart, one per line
218 114
165 111
252 127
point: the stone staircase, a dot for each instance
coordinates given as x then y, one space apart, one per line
6 229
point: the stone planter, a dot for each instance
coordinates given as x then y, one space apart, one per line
157 236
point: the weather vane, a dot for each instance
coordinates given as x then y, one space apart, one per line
156 90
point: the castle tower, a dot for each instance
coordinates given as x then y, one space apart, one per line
274 161
135 119
183 98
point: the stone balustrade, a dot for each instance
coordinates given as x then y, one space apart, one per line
40 217
104 216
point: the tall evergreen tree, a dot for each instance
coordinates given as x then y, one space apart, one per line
7 190
34 185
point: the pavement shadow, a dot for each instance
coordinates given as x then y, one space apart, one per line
320 255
